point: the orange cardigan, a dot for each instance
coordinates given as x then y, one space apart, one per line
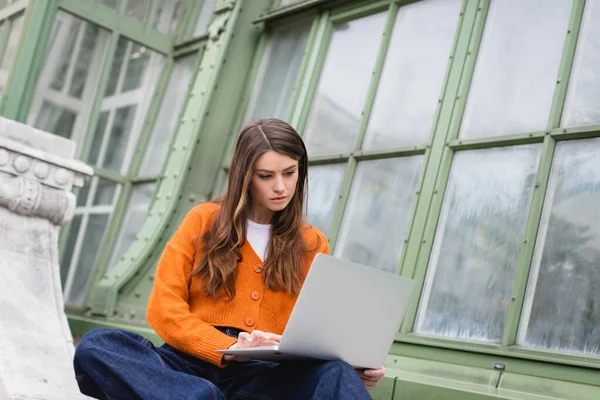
185 317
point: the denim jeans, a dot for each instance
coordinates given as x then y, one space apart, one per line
116 364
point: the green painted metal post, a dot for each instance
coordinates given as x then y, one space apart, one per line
39 17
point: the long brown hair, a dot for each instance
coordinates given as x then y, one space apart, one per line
221 245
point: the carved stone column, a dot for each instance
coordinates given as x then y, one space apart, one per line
37 174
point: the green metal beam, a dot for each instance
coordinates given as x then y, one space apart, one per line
13 9
497 141
189 46
566 64
107 18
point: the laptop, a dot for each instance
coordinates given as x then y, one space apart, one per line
344 311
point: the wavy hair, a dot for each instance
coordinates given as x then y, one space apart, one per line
221 245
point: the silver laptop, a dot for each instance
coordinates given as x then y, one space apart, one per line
345 311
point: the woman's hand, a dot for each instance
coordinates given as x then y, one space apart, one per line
254 339
371 377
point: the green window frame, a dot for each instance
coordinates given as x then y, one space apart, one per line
39 20
438 158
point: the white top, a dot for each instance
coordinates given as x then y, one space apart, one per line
258 236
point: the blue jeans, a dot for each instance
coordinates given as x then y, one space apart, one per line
116 364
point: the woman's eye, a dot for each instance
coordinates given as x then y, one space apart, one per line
264 176
290 173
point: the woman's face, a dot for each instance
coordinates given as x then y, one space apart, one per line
274 179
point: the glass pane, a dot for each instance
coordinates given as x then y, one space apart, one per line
136 67
119 137
83 193
115 70
278 72
168 16
66 55
335 114
137 9
87 258
378 210
202 25
516 70
324 183
413 74
98 138
476 249
67 255
562 305
10 51
67 84
84 60
168 115
105 192
137 210
55 119
582 106
111 3
135 73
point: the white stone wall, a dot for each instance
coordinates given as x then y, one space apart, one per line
37 174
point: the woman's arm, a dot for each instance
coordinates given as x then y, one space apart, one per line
168 310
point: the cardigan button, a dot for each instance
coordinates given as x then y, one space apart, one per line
258 268
249 321
255 295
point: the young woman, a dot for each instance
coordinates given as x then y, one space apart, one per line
228 278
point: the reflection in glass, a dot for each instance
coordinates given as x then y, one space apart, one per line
135 72
324 183
67 255
477 244
137 210
82 194
413 74
168 16
278 72
105 192
205 13
582 106
335 113
10 50
115 70
68 82
517 67
98 138
137 9
119 137
168 115
65 57
82 275
378 211
84 61
562 305
55 119
136 67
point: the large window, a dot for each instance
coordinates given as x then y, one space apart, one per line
456 143
97 86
